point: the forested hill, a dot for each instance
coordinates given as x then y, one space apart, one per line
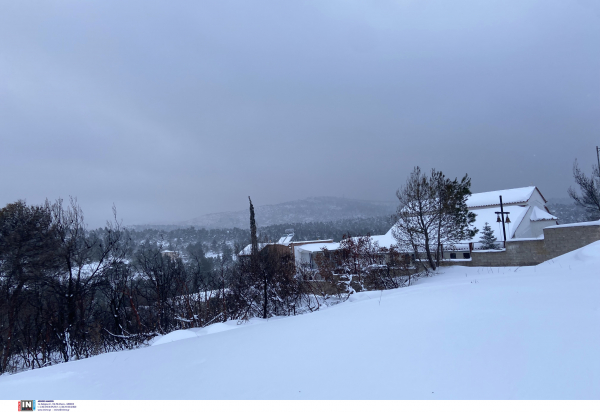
567 211
228 240
313 209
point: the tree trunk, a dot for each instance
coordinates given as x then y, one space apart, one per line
265 299
428 252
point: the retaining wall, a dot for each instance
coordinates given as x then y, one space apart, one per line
557 241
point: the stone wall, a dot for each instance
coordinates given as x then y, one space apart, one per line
566 238
557 241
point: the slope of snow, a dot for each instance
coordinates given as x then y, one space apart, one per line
194 332
466 333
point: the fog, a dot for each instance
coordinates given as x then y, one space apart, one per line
171 110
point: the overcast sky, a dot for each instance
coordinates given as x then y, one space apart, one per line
174 109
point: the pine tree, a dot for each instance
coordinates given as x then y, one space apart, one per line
488 239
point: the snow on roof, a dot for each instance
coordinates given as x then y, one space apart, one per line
285 240
592 223
386 240
539 214
509 196
248 249
316 247
516 213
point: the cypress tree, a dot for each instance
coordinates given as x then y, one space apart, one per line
253 237
254 259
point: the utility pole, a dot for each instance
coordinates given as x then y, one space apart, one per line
598 156
501 214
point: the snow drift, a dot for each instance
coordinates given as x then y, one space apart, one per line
466 333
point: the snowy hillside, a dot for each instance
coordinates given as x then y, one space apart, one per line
466 333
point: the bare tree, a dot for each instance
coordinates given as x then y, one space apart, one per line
84 258
417 216
589 198
432 211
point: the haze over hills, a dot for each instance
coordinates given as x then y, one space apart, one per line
567 211
329 209
312 209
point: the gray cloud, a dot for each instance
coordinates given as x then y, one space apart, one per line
175 109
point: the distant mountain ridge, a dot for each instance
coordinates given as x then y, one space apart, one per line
312 209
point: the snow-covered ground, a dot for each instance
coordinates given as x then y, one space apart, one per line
466 333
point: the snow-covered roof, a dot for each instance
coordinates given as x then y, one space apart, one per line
592 223
285 240
386 240
316 247
248 249
538 214
509 196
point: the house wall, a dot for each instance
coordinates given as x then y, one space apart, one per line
529 229
459 254
557 241
304 258
280 250
537 200
537 227
524 228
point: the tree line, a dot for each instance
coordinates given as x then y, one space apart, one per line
230 241
68 293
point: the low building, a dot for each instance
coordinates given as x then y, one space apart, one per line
172 254
299 250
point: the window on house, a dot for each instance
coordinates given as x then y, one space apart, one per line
452 255
467 255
